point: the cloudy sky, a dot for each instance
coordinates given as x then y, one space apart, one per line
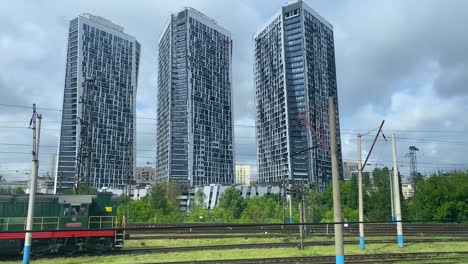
400 61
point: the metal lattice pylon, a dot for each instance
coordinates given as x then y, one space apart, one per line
413 162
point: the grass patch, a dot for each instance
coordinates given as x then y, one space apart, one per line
259 253
191 242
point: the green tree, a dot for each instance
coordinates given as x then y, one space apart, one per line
158 197
141 211
316 202
266 209
321 203
378 204
18 191
197 211
9 190
231 205
441 197
123 207
163 200
348 215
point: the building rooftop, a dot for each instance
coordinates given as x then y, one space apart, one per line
103 21
191 9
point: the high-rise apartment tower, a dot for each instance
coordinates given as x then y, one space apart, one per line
294 71
97 139
195 126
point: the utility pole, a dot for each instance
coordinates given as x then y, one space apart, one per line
339 248
301 218
302 221
60 182
283 196
304 212
361 206
396 194
290 199
130 179
361 167
391 195
36 122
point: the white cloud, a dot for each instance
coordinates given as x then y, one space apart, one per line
396 60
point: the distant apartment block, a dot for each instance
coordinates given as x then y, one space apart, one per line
145 175
13 185
99 105
349 168
45 185
407 190
195 126
243 175
294 70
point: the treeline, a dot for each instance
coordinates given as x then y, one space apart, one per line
9 190
436 197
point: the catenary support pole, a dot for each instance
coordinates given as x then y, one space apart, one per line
396 194
283 200
32 188
304 213
361 205
339 248
301 221
392 201
290 204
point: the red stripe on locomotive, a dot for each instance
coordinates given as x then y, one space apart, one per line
59 234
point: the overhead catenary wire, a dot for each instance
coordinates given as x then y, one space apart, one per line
344 131
253 126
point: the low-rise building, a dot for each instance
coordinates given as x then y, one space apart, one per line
243 175
13 185
407 190
349 168
45 185
145 175
214 191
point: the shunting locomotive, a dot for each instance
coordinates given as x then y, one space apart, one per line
63 223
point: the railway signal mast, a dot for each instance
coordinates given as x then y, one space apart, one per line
36 127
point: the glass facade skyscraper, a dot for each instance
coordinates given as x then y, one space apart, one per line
195 126
97 139
294 72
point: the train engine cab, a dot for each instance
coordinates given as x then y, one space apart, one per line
64 223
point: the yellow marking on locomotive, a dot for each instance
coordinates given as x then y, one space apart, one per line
109 209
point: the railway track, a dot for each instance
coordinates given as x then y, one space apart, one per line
269 245
154 231
361 258
322 229
149 250
422 257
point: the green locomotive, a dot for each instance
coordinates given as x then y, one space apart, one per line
64 223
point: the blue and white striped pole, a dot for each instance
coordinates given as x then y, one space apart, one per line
339 247
362 245
32 189
290 202
396 195
390 176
